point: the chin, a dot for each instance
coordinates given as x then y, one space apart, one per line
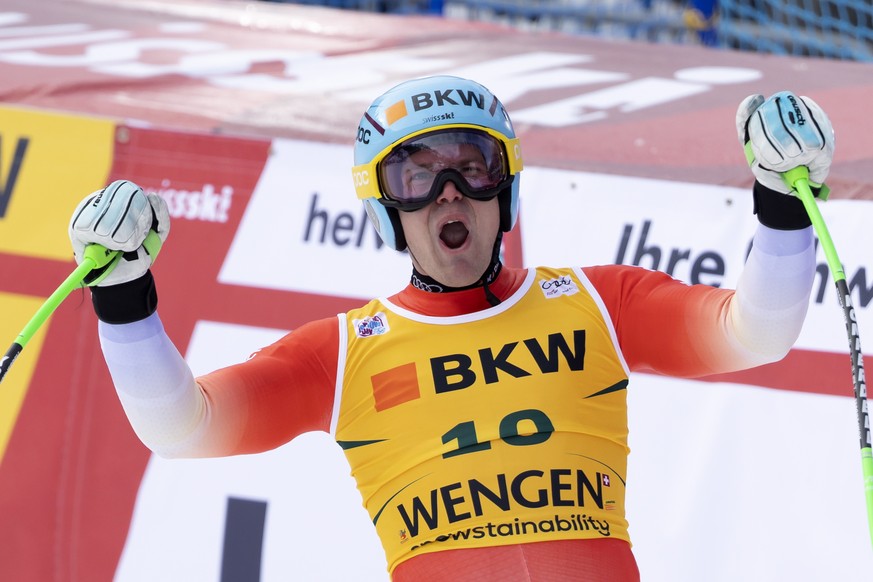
454 268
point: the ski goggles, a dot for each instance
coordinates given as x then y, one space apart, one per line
411 174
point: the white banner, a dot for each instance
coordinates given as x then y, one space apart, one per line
305 231
696 232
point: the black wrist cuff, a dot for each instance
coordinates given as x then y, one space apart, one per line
778 210
126 302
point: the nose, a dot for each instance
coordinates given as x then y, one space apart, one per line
450 193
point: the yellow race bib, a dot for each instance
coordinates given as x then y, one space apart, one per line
503 426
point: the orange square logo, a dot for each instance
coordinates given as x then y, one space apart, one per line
395 386
395 112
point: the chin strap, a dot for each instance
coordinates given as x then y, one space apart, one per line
492 299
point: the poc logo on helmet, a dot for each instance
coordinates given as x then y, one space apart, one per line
363 135
362 178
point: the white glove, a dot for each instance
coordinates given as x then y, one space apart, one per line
119 217
782 133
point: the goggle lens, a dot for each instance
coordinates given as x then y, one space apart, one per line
415 171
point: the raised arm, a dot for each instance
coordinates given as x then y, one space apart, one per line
285 389
672 328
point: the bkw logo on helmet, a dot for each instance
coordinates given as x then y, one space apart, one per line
440 98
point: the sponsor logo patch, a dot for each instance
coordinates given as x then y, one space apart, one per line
557 287
371 326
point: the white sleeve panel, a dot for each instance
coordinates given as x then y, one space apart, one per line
773 292
163 403
342 351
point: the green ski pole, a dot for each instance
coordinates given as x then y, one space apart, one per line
95 257
798 179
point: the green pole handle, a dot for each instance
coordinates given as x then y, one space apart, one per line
798 179
95 257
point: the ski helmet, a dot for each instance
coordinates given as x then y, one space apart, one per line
416 108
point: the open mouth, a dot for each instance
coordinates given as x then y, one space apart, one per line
454 234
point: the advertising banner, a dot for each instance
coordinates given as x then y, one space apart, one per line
242 117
